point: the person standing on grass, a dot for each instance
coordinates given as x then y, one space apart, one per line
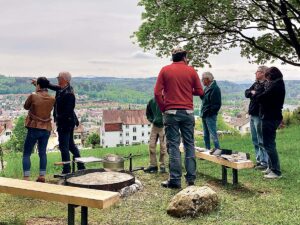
211 104
154 116
271 101
255 121
38 124
66 119
175 86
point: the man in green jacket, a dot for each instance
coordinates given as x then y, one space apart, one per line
211 104
154 116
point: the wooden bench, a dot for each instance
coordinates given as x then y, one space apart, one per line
73 196
246 164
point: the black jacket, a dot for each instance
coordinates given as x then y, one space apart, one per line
211 100
258 87
63 112
272 100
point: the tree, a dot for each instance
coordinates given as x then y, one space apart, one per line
265 30
19 133
93 139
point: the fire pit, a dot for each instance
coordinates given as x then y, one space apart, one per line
100 179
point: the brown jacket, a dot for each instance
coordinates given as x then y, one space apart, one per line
40 105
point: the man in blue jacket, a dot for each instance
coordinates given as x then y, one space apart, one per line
211 104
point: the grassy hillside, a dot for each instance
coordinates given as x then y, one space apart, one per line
254 201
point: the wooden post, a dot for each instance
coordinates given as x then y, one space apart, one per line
224 175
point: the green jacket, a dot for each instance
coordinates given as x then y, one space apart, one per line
211 101
154 114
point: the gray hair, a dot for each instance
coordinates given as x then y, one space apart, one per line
65 75
262 68
208 75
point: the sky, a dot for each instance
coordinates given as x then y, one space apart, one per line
92 38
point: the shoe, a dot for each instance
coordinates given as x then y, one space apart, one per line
260 167
41 179
272 175
190 183
216 152
168 184
267 171
162 169
151 169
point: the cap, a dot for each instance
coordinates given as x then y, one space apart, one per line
65 75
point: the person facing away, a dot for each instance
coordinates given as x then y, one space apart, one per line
66 119
154 116
38 124
271 104
175 86
211 104
255 121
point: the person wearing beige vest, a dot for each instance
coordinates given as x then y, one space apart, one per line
38 124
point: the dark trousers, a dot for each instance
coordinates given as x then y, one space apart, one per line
269 135
66 144
175 124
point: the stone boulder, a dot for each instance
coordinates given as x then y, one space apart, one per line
193 201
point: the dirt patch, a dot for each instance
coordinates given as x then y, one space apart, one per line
45 221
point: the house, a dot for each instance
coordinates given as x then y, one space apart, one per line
124 127
241 123
6 127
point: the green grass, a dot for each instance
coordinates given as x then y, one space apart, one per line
254 201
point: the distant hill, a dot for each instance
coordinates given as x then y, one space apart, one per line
134 90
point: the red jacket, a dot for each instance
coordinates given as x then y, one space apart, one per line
175 86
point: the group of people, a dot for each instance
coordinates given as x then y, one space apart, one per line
38 123
171 113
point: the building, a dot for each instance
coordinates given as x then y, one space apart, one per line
241 123
124 127
6 127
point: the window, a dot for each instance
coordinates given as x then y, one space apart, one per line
134 129
127 126
143 134
148 133
127 142
121 135
7 133
149 125
127 134
134 138
143 125
121 142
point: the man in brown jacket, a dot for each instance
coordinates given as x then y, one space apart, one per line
38 123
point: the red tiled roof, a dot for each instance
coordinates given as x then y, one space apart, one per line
113 127
128 117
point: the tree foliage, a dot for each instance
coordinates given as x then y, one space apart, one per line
265 30
93 139
17 140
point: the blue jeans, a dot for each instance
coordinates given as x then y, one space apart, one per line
175 124
66 144
40 136
210 130
269 135
257 139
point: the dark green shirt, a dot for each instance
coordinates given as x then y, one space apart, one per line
154 114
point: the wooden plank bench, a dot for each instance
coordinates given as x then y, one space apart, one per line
247 164
73 196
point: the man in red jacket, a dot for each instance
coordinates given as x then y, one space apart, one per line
175 86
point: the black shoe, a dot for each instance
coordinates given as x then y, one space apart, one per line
168 184
190 183
162 169
260 167
151 169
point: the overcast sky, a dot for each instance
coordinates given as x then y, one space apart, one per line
91 37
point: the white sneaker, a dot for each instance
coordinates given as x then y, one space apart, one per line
267 171
272 175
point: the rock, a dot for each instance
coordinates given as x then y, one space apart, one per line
193 201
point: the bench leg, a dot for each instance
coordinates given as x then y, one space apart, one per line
71 214
235 176
224 175
84 215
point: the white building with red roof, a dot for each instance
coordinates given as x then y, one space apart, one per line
124 127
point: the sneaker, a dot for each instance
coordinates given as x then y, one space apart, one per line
260 167
190 183
151 169
268 170
162 169
216 152
168 184
272 175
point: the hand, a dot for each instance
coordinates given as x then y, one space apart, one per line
33 81
253 92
